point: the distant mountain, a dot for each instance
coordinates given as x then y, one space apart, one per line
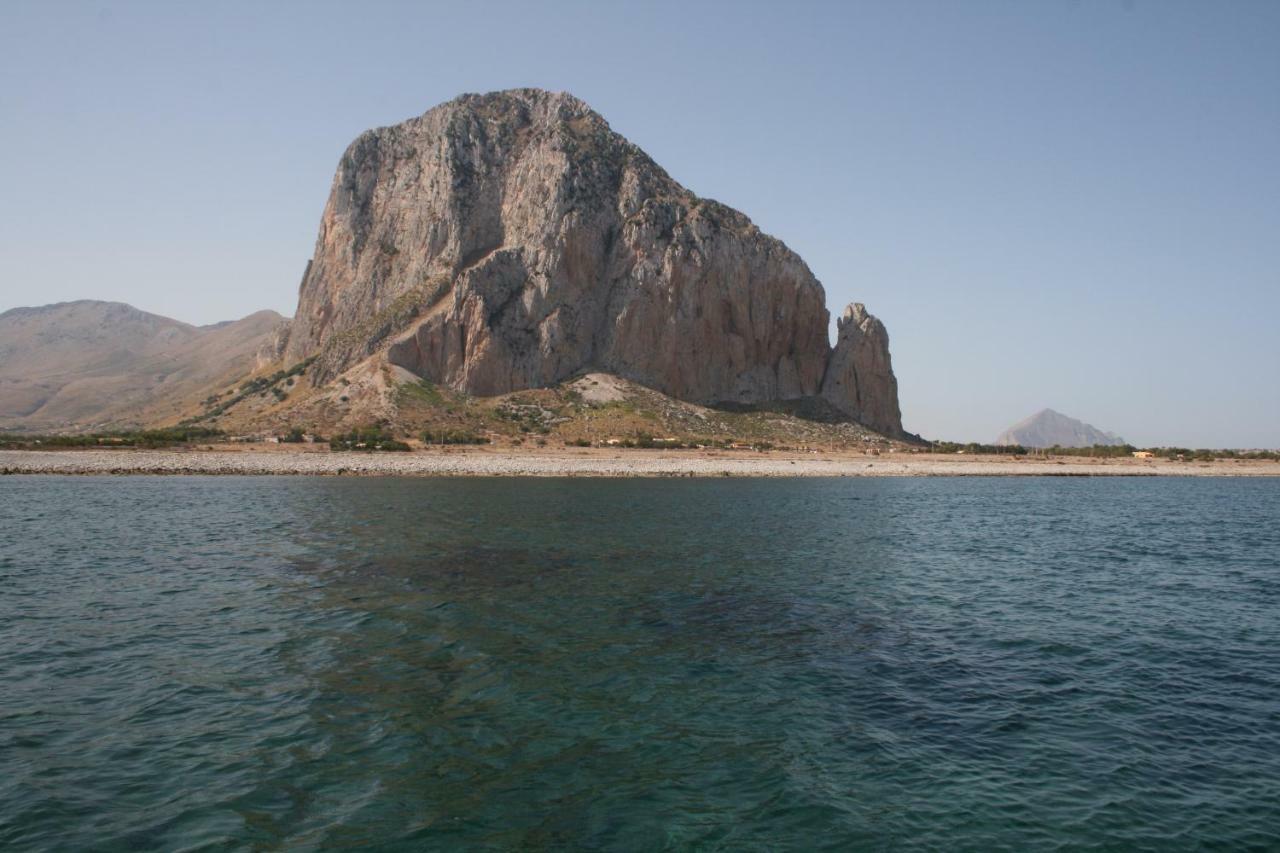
89 364
1048 428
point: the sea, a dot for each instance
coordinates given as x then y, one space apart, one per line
226 663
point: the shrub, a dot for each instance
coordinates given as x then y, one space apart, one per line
369 438
165 437
453 436
294 436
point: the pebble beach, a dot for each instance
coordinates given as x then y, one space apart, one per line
594 463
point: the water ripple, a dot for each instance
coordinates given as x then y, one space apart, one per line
918 664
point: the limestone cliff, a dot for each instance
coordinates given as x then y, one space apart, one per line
859 380
513 240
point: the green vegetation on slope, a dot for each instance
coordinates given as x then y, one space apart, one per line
262 385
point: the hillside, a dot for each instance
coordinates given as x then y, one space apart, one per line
89 364
594 408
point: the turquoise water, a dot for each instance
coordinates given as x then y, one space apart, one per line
234 663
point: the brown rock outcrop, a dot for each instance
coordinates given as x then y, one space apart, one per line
513 240
859 380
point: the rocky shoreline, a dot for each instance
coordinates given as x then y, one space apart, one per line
594 463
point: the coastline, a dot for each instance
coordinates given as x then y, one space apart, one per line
595 462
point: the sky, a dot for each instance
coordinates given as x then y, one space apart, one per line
1072 205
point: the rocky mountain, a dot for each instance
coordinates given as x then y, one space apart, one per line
513 240
497 244
859 378
1047 428
106 364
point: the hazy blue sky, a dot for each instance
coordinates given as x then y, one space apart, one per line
1066 204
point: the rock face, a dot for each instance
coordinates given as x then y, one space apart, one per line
513 240
859 379
107 364
1047 428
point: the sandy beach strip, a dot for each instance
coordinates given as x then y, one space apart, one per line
593 463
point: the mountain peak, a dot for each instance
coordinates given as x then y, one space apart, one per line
499 242
512 240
